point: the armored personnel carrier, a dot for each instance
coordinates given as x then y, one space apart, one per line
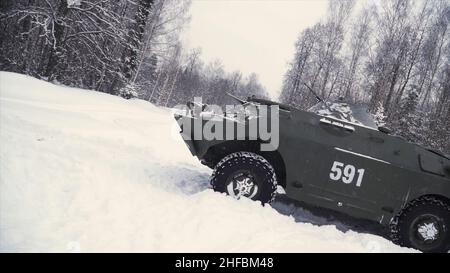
333 163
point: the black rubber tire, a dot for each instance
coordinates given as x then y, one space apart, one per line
402 226
264 174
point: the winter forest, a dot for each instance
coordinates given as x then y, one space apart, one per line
127 48
391 55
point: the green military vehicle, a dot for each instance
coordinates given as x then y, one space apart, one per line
333 163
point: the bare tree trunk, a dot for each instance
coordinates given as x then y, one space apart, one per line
136 35
56 50
173 85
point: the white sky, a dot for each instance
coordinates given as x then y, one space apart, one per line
251 35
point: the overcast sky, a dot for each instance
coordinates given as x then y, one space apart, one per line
251 35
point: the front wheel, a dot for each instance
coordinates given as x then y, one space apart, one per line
424 225
245 174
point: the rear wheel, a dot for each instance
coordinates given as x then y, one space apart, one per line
424 224
245 174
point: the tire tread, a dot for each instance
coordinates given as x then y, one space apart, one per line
398 220
253 159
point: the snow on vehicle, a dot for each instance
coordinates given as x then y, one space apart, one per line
341 165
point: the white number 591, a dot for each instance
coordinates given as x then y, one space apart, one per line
346 173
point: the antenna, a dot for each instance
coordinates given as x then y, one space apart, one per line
318 98
236 98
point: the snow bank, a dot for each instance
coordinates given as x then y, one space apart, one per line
86 171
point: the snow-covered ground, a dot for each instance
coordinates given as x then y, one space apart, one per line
86 171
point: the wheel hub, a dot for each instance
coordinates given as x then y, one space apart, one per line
428 231
242 184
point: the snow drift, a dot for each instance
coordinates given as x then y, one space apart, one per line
86 171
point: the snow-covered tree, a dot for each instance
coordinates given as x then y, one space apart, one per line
392 55
379 115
